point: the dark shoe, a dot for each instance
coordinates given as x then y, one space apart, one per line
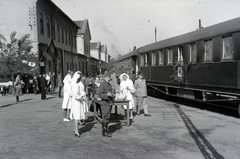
147 115
77 134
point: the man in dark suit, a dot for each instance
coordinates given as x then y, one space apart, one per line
105 92
44 87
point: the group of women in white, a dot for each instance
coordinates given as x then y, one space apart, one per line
74 99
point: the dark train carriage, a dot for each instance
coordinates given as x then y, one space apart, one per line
128 62
200 65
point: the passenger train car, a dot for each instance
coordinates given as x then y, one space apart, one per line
202 65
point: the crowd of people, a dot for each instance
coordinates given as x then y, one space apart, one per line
79 91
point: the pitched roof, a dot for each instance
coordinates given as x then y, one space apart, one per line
83 24
205 33
95 45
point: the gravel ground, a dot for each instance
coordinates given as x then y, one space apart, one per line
34 129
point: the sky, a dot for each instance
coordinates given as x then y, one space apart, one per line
123 24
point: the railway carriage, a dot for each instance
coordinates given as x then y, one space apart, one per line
202 65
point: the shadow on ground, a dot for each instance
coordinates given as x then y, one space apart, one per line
8 105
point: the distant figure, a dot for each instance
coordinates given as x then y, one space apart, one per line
39 83
48 78
67 99
60 85
35 85
52 83
44 87
18 86
141 95
27 84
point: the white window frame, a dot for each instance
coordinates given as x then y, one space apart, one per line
146 59
154 55
161 57
180 54
141 60
170 55
193 53
208 50
227 48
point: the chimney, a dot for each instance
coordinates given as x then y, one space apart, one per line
200 25
134 48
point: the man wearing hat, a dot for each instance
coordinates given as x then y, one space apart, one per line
141 95
105 92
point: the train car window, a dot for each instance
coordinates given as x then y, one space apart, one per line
170 56
227 48
129 62
180 54
208 50
193 53
154 58
161 57
146 59
141 60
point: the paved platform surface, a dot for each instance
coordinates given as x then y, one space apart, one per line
34 128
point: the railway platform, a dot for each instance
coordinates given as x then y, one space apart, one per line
34 128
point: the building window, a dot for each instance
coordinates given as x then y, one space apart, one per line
69 39
48 28
67 66
170 56
66 37
62 35
193 53
41 24
208 50
180 54
227 48
53 30
161 57
146 59
153 58
58 33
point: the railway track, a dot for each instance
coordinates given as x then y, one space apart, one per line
228 109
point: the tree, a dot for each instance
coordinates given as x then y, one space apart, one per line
14 53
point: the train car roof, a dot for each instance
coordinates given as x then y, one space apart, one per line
133 53
222 28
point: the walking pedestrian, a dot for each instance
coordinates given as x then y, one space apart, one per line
35 85
48 78
44 87
52 83
18 86
95 87
105 92
78 98
60 84
39 83
66 104
126 85
141 95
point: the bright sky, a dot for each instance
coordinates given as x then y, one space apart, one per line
123 24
